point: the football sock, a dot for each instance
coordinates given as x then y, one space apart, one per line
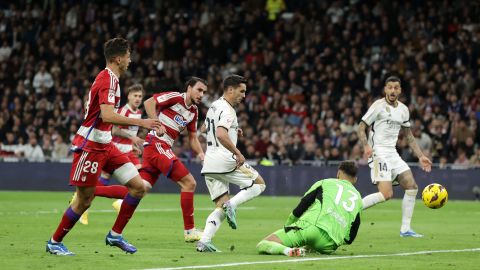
372 199
186 202
129 205
271 247
408 204
247 194
114 191
214 221
66 224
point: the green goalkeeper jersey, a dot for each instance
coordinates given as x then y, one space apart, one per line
334 206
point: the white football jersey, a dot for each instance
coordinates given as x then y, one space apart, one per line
386 121
219 159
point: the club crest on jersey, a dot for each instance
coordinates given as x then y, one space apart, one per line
111 97
179 120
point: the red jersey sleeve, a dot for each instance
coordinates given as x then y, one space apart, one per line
167 99
192 126
106 90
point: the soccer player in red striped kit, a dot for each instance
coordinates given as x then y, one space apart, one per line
94 151
176 111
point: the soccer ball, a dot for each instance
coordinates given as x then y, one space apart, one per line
434 196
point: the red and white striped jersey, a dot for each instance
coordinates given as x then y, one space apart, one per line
125 144
94 134
174 115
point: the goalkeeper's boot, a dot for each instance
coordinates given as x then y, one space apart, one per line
192 235
117 204
231 215
84 217
410 233
120 242
206 247
297 252
58 249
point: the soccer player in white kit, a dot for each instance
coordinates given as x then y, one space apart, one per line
387 116
224 164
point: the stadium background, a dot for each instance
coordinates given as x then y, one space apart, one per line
313 69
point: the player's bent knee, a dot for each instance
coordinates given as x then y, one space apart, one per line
262 187
147 185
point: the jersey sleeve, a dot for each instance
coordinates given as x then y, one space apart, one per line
353 230
315 192
371 114
106 90
192 126
225 117
406 119
167 99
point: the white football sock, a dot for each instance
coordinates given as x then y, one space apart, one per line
372 199
214 221
247 194
408 204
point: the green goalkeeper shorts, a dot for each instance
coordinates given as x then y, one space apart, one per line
304 234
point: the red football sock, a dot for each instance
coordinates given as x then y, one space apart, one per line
186 202
66 224
115 191
127 209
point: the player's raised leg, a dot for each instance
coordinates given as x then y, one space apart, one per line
408 183
385 193
245 194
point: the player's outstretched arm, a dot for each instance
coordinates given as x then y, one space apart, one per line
150 108
222 135
195 145
424 161
110 116
305 203
362 136
353 230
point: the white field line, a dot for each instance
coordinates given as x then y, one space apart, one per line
56 211
326 258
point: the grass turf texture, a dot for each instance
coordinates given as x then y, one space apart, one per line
27 220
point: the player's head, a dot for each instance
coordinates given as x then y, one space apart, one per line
135 94
117 52
348 171
234 88
195 88
392 89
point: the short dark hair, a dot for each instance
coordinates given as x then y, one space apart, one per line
193 80
349 167
393 79
135 88
115 47
233 80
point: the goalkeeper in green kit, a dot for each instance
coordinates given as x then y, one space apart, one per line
327 217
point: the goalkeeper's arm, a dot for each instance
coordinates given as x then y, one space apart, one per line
304 204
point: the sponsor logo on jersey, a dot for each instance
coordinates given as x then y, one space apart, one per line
180 120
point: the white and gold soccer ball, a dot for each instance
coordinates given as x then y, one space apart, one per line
434 196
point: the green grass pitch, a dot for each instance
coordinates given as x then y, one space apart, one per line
27 220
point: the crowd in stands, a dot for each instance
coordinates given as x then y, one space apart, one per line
313 69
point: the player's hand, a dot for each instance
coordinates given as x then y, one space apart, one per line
137 142
201 157
240 159
150 124
240 132
367 151
425 163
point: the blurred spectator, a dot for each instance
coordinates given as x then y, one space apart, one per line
312 71
462 161
60 149
32 151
